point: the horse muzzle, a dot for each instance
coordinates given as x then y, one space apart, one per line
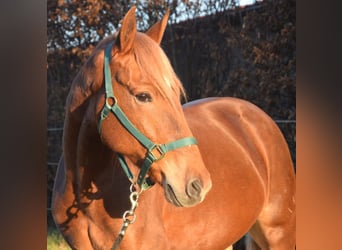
192 194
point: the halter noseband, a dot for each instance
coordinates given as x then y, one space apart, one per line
154 151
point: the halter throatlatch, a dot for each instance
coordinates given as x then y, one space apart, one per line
154 151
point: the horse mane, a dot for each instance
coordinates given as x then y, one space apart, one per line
154 64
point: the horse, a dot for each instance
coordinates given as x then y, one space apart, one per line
139 170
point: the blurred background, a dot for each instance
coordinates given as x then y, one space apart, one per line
244 49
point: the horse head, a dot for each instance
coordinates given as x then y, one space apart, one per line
142 85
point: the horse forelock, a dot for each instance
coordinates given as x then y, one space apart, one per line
155 65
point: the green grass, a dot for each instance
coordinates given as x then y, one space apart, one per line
55 240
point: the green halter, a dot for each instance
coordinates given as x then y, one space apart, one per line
154 151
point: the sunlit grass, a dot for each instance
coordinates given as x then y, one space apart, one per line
55 240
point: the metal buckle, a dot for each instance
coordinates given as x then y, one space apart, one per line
157 149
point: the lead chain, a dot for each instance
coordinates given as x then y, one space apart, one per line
129 216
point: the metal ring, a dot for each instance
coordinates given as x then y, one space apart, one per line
113 98
134 196
128 214
132 188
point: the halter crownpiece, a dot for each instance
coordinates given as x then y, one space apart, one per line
154 151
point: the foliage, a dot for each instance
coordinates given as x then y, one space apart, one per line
55 240
248 54
268 45
78 24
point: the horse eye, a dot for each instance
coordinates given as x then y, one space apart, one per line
143 97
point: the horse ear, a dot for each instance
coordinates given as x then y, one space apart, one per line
156 32
128 31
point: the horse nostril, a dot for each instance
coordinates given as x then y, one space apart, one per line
194 189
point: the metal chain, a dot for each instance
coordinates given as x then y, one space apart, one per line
129 216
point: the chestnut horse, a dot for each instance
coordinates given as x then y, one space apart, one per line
128 141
